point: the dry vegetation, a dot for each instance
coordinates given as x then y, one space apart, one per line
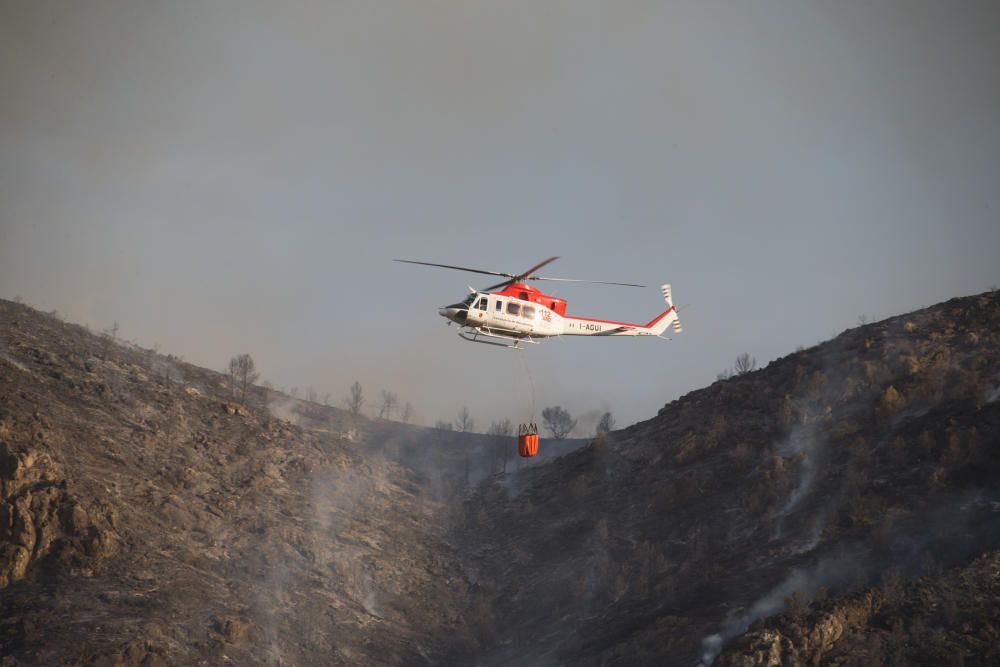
147 517
866 461
840 506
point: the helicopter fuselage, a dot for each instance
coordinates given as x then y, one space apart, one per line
524 312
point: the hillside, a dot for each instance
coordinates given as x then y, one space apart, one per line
147 518
865 461
840 506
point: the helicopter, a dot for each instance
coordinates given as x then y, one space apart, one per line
520 313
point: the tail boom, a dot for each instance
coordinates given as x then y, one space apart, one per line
582 326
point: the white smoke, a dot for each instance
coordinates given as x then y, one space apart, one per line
369 596
283 407
803 441
270 598
163 367
10 360
586 423
845 566
768 605
809 447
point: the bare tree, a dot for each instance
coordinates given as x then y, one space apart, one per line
500 433
407 416
294 392
242 373
505 431
388 405
311 395
442 425
606 424
744 364
356 399
464 423
326 399
862 320
558 421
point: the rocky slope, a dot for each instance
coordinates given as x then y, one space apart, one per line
840 506
147 518
945 618
872 458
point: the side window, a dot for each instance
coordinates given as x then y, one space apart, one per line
499 306
481 305
528 312
513 308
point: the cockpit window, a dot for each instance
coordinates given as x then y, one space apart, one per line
481 304
513 308
468 300
528 312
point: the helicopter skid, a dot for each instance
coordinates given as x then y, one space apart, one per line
491 337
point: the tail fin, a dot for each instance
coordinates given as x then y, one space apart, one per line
667 318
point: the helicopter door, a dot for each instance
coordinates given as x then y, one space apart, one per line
477 314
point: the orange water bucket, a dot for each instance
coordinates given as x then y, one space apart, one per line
527 440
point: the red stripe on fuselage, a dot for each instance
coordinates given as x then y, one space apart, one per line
661 316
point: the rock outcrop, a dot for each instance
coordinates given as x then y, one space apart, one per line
945 619
40 518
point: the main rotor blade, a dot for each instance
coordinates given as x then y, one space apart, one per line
498 285
577 280
527 274
457 268
521 276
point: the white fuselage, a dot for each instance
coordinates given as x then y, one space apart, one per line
511 316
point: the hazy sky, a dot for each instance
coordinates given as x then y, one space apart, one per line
222 177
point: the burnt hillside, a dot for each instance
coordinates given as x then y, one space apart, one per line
840 506
865 462
148 518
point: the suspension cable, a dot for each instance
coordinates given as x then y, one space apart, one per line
531 383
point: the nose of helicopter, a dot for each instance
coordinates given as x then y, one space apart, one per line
456 313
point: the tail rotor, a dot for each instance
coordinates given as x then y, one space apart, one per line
670 302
